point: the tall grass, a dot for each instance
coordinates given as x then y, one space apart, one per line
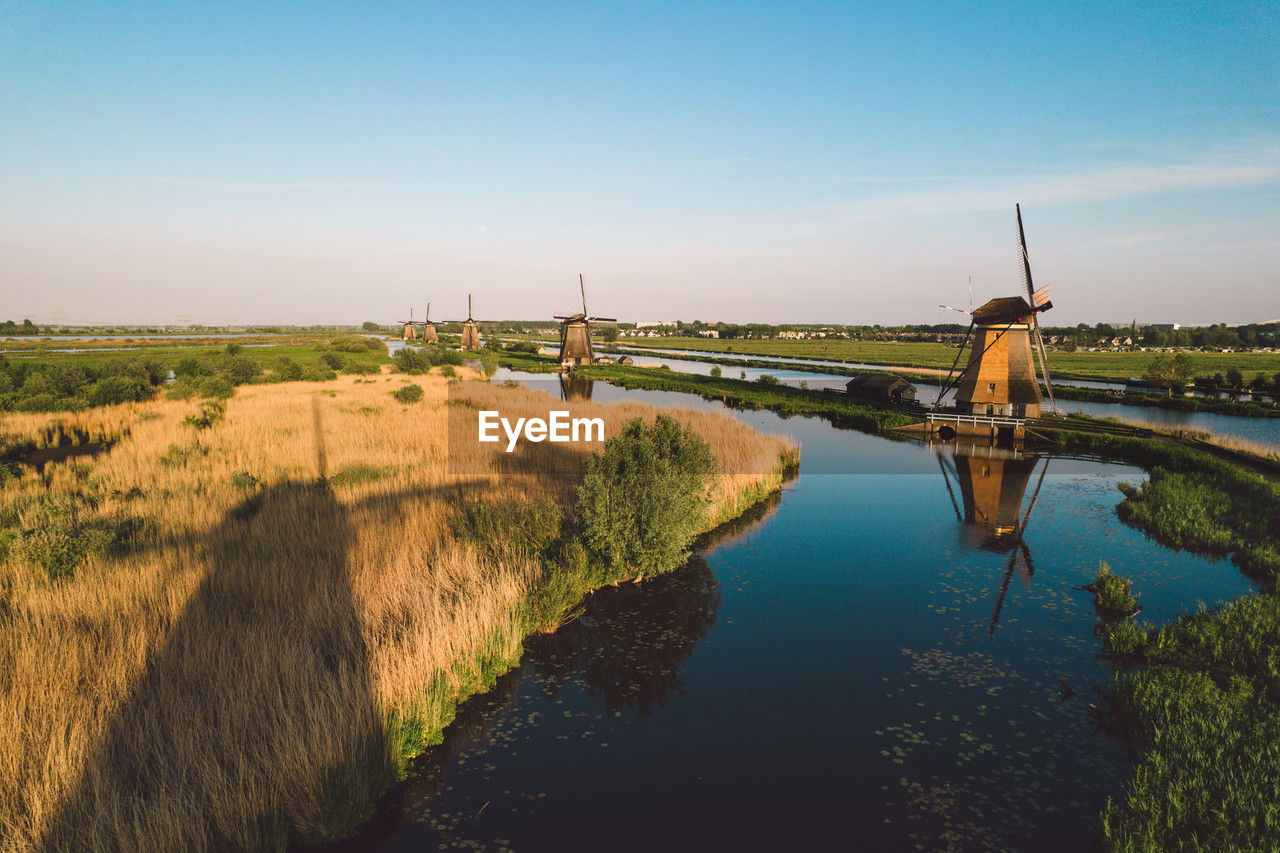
1202 715
274 638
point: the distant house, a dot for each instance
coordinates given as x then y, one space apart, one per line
892 389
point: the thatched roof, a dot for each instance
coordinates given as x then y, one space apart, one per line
1005 309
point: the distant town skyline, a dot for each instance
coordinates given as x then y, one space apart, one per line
746 162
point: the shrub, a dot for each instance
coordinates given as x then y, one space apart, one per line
318 373
411 361
715 373
59 548
362 368
287 369
241 369
488 363
244 480
410 393
118 389
334 360
211 413
1112 594
217 387
448 372
522 346
193 366
645 497
766 379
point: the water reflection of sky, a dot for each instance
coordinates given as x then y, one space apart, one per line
827 678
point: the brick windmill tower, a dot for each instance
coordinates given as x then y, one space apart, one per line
1001 379
575 333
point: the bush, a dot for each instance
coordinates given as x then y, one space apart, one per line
217 387
645 497
211 413
766 379
448 372
287 369
193 366
411 361
488 363
1112 594
334 360
362 368
318 373
408 394
241 369
118 389
715 373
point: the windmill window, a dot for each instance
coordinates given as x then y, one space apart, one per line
991 387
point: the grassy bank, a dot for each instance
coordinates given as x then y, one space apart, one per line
237 635
839 409
1083 365
1201 713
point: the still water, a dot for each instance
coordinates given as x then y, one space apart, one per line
1259 430
867 662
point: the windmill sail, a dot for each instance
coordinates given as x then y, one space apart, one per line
1040 301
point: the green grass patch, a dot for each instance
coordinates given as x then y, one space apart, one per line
354 475
1202 715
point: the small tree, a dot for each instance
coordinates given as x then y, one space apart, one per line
645 497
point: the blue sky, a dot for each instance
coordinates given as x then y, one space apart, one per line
746 161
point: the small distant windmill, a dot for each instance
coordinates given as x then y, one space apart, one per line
470 332
1000 378
575 333
429 328
410 333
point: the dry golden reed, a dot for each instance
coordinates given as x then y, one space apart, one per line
229 676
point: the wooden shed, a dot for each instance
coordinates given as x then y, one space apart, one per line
892 389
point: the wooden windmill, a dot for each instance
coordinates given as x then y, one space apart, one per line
470 331
992 483
575 333
410 332
429 329
1000 379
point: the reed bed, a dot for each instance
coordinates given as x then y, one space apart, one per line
280 615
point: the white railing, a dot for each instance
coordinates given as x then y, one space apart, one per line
976 420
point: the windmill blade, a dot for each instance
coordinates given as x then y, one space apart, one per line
428 312
970 295
961 310
582 285
603 319
1023 565
1026 260
469 312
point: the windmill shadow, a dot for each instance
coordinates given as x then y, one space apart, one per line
261 695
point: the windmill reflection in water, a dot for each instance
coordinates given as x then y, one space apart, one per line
992 482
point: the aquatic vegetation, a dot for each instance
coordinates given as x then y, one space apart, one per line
1112 594
1202 715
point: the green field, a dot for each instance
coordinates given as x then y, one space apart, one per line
1087 365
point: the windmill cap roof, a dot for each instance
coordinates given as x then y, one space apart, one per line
1004 309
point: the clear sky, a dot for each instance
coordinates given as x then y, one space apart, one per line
774 162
